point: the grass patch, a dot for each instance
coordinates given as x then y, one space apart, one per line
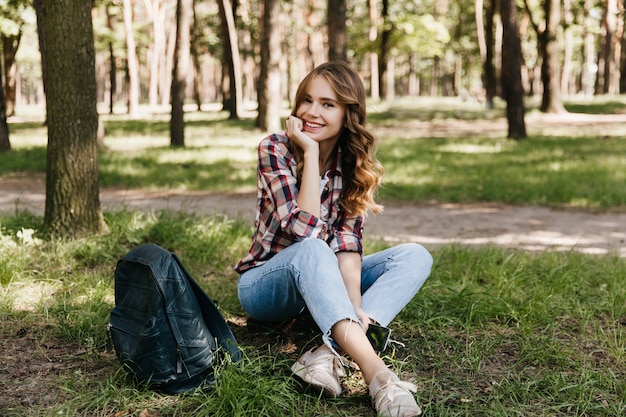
582 172
564 169
493 332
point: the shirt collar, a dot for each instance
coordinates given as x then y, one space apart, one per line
337 164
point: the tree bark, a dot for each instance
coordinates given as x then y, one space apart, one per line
10 44
489 70
72 190
196 57
622 56
550 73
512 90
337 36
373 56
5 144
179 73
568 47
158 50
112 65
269 91
42 42
384 49
233 91
131 60
609 24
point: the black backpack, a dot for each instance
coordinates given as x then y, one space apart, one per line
165 329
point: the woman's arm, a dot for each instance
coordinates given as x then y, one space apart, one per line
309 195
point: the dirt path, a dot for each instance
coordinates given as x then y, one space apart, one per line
529 228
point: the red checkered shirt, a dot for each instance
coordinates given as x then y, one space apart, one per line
279 222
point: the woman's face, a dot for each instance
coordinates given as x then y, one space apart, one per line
323 117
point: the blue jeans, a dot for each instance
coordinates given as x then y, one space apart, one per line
306 275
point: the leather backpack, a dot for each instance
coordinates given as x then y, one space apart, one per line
165 329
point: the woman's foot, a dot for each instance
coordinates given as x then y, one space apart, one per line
392 397
322 369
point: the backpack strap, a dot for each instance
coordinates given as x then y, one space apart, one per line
212 317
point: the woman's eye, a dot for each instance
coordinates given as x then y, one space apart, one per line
329 105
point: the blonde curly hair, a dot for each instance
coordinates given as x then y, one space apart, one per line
362 172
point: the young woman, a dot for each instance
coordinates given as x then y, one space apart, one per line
316 182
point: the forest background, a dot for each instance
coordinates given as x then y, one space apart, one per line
160 52
406 47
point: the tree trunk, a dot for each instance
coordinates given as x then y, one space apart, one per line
605 63
42 42
233 92
131 60
373 35
179 72
550 74
384 49
269 91
489 70
587 76
195 57
568 47
157 56
5 144
622 57
512 90
337 37
10 44
72 190
112 66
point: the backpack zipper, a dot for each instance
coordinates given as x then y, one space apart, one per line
179 362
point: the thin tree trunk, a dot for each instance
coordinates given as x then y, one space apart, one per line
112 65
587 77
180 72
337 36
622 56
5 144
568 47
384 49
489 70
270 96
10 44
42 42
131 59
157 49
550 74
195 57
372 36
231 59
512 90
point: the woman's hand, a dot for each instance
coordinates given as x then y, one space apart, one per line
363 318
294 128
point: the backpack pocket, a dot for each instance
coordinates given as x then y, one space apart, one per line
144 349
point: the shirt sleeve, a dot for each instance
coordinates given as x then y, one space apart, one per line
348 236
278 179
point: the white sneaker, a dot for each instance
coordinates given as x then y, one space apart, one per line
322 369
392 397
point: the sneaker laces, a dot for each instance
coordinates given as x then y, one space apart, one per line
391 389
328 361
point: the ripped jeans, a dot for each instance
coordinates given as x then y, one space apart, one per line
306 275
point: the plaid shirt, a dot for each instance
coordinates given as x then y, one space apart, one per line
279 222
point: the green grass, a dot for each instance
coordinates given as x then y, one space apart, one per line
588 172
493 331
564 170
